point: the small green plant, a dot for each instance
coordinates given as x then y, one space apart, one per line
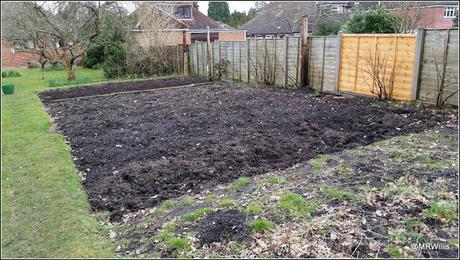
178 245
318 163
253 208
160 211
226 203
443 211
166 232
317 94
210 199
261 225
296 205
239 183
197 214
394 251
405 238
344 169
412 224
341 195
186 201
168 204
277 180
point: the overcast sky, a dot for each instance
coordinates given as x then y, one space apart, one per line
241 6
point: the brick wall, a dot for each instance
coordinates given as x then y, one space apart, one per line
232 36
15 58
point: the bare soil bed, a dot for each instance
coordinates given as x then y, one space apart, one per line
108 88
136 150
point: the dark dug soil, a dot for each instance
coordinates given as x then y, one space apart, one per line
108 88
220 226
139 149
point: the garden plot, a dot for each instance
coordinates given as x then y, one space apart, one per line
136 150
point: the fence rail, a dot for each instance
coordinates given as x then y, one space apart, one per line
422 64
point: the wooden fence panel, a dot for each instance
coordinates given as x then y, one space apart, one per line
396 51
434 52
322 63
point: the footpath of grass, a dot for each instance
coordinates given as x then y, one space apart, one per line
44 208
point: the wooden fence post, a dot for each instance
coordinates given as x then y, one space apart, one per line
339 60
418 56
304 55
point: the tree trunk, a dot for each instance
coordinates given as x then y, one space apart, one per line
70 68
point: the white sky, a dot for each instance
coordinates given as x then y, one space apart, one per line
240 6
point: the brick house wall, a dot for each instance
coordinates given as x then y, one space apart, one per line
431 17
16 58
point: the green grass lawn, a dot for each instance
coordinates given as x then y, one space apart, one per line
45 212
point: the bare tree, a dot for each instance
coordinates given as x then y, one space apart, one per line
411 15
61 31
382 71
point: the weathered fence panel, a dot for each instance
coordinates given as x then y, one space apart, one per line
420 63
256 60
439 59
322 63
361 53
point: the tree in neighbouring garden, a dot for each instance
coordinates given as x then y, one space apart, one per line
61 31
114 26
375 20
239 18
219 11
324 28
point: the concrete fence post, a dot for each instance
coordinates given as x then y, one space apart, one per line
339 60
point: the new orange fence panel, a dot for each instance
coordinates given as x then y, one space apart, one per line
362 56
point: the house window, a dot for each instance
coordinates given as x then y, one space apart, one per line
23 44
183 12
450 12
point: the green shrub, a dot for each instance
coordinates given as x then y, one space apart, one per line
94 56
375 20
114 65
10 73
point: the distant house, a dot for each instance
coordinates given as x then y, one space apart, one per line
185 18
18 52
436 15
278 19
